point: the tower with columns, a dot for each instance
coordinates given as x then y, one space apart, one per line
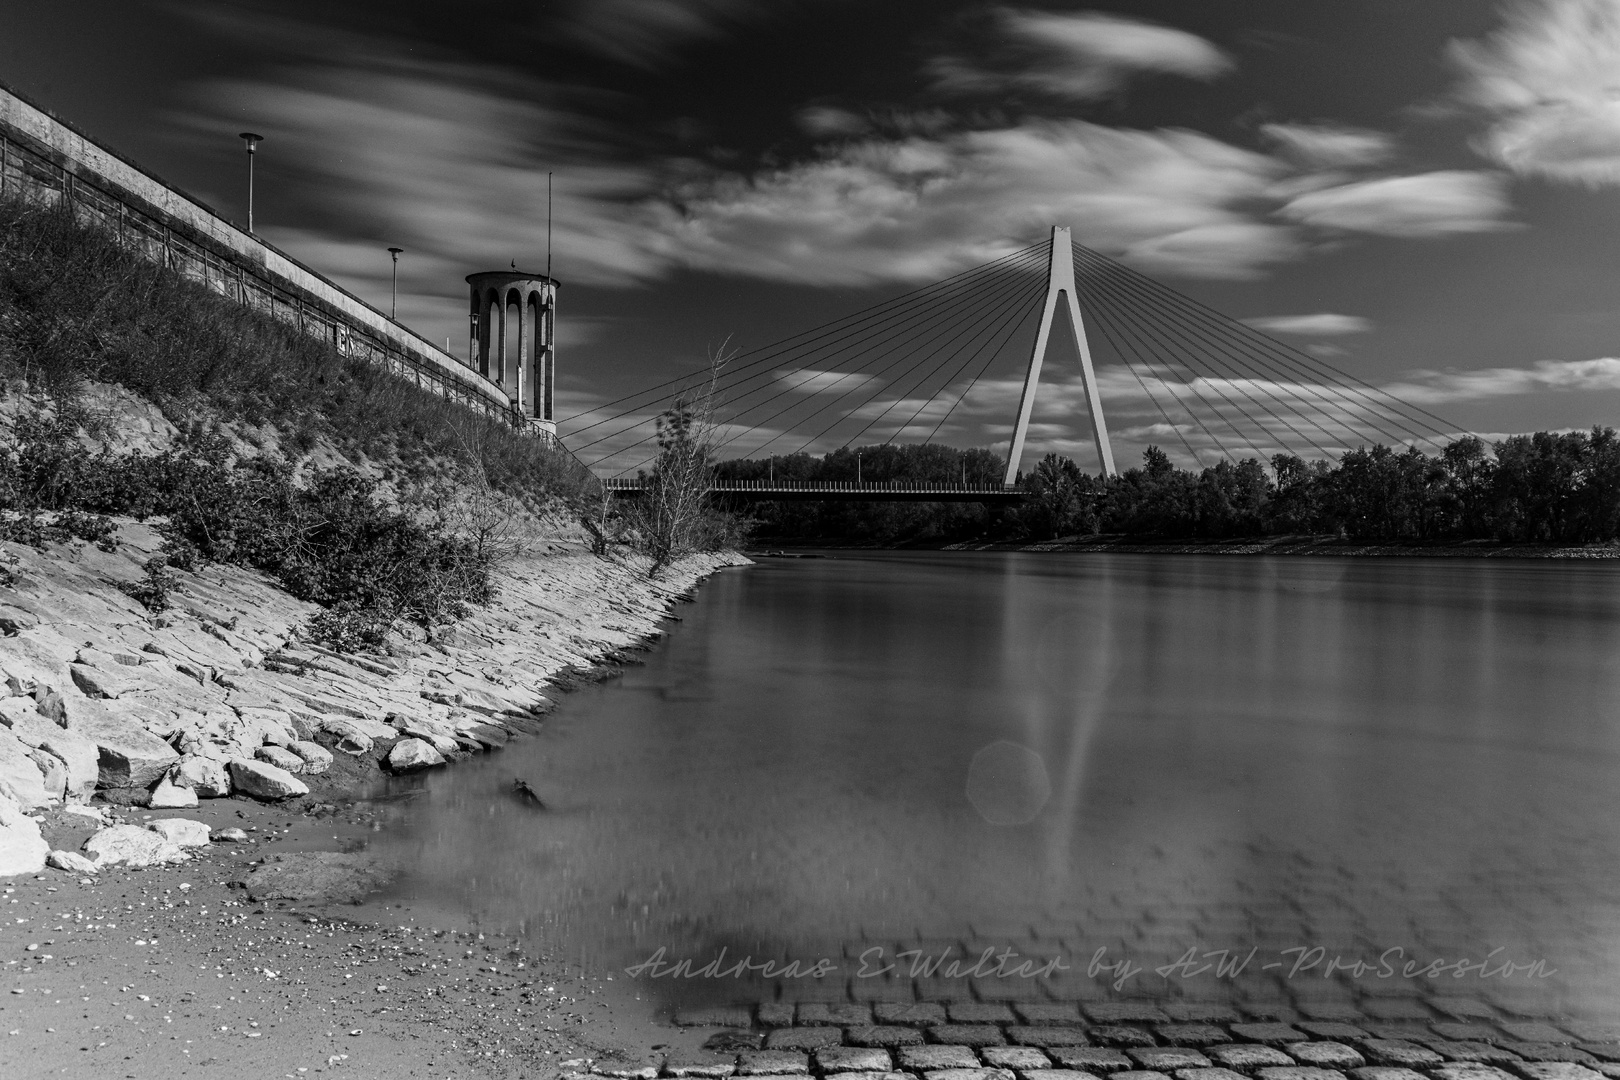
512 340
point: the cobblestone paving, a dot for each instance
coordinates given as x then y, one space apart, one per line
1133 1040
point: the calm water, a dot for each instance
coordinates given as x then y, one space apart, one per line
1061 754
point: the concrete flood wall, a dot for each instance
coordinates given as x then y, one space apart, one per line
44 158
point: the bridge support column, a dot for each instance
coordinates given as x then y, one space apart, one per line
1060 284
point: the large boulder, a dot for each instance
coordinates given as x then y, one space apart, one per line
71 861
281 758
263 780
132 846
130 756
170 796
317 758
77 753
207 776
180 831
22 848
352 725
20 778
441 737
409 755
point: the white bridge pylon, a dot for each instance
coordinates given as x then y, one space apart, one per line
1060 283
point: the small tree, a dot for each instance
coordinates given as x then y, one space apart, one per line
672 517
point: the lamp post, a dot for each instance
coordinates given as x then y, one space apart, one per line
252 140
393 305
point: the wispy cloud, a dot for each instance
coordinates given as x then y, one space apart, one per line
648 33
1425 205
1432 387
1548 82
1078 56
1329 146
808 381
1321 324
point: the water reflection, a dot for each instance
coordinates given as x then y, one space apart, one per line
1065 754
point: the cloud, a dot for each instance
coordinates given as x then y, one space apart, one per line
809 381
1322 324
1424 205
1430 387
920 208
822 120
1549 80
1328 146
647 33
1078 56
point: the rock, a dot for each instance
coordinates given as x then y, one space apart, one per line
231 836
409 755
13 709
130 756
71 861
328 876
97 683
54 772
262 780
272 726
182 832
170 796
355 745
441 737
491 736
317 758
351 725
20 778
22 848
207 776
133 846
281 758
78 754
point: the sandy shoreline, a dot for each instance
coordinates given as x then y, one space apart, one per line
181 970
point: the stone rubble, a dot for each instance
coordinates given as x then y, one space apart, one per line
220 694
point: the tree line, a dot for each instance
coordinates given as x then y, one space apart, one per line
1548 487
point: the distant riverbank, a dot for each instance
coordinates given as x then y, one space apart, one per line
1264 545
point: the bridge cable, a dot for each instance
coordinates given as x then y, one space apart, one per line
781 346
1293 355
891 323
996 295
1131 339
989 358
1251 367
1236 383
1102 321
1183 321
961 315
1017 307
1130 318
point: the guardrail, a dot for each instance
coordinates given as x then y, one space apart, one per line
874 490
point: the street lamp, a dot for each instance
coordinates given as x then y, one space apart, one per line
394 304
252 140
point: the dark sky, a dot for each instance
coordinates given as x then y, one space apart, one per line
1423 193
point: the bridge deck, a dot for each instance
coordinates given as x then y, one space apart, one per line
841 491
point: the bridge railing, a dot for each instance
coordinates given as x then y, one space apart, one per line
908 487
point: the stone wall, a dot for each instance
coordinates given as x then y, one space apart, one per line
46 159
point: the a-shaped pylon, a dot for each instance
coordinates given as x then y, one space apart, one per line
1060 283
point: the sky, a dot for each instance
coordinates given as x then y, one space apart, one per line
1425 195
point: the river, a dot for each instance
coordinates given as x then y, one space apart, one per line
1212 778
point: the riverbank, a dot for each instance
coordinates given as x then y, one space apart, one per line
1306 545
209 712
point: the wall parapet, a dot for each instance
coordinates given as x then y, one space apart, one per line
46 158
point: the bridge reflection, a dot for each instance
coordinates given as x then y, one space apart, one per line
839 490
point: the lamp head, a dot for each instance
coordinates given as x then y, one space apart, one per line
395 252
251 139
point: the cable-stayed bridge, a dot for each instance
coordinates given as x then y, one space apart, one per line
933 363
